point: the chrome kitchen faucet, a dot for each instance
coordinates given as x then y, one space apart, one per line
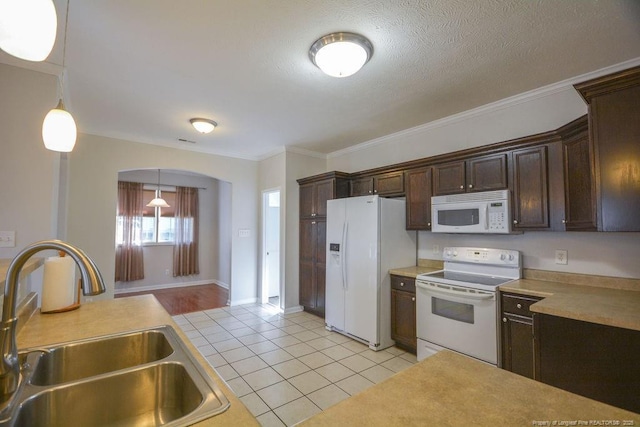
92 284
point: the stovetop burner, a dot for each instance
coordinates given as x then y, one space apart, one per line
466 278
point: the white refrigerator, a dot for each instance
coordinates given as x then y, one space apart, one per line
366 237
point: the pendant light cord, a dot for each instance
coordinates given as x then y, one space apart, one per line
64 51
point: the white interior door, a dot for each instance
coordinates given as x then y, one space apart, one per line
271 246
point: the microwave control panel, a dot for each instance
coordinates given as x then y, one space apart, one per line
498 218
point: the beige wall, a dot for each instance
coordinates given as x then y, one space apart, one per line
28 171
95 163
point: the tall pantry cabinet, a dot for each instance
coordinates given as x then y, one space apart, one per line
314 193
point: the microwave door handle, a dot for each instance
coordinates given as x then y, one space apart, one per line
486 217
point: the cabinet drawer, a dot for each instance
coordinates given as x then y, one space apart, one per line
517 304
403 283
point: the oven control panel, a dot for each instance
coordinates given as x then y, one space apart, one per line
482 255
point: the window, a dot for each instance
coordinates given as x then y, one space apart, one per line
158 224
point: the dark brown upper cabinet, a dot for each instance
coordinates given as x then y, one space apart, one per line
530 188
614 127
482 173
579 185
418 193
384 184
315 193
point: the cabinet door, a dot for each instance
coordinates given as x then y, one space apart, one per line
596 361
487 173
403 319
517 345
320 264
579 189
307 263
530 188
324 191
418 191
361 187
307 195
389 184
449 178
616 133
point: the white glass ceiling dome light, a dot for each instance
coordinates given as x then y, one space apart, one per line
341 54
203 125
28 28
158 202
59 130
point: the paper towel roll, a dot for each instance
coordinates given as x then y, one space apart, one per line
58 283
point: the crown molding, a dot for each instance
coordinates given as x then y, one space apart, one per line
491 107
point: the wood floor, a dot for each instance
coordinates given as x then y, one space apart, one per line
189 298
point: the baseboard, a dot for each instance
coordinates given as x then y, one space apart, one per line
295 309
243 301
169 285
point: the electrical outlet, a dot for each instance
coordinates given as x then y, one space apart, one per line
436 249
7 239
244 232
166 272
561 256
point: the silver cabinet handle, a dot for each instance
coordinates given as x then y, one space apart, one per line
313 222
413 298
313 214
375 191
401 283
470 185
462 187
519 305
428 224
564 221
504 320
515 221
369 191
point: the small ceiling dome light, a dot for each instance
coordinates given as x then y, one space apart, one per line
203 125
28 28
341 54
59 130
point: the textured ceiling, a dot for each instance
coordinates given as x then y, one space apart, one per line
140 69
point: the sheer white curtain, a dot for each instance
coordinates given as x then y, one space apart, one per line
129 257
185 250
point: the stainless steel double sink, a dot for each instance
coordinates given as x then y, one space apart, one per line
140 378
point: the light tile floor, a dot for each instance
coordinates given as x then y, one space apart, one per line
286 367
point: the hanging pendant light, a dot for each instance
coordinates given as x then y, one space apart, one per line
59 130
158 202
28 28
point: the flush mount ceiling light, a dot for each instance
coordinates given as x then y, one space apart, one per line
341 54
28 28
58 128
203 125
158 202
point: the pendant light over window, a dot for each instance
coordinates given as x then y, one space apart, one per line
28 28
341 54
59 131
158 202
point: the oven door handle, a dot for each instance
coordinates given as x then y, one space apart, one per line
434 289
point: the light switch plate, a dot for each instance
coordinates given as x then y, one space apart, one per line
7 239
244 232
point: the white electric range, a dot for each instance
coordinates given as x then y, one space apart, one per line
456 308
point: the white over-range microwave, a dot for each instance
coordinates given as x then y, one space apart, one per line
487 212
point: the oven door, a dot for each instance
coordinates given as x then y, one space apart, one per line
458 318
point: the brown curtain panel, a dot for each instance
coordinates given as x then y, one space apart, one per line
185 250
129 259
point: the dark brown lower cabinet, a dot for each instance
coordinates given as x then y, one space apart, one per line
403 312
597 361
517 334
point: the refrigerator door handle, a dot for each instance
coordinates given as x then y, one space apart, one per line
344 255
